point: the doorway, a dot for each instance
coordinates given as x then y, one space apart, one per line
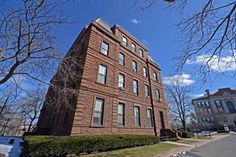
162 120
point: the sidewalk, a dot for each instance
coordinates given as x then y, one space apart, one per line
183 148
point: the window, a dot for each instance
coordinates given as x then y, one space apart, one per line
207 104
134 66
125 41
98 112
137 116
209 110
135 87
150 117
133 47
231 107
158 94
121 58
147 92
141 53
121 114
155 76
199 104
104 48
219 105
145 72
121 80
102 74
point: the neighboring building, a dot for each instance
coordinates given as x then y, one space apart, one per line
106 84
216 110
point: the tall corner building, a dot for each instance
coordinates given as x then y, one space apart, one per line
106 84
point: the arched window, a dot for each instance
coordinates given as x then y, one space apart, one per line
231 107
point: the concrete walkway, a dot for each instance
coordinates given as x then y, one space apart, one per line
184 148
225 147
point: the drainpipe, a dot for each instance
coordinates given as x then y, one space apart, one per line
153 115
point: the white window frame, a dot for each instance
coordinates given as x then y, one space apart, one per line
103 50
98 112
102 78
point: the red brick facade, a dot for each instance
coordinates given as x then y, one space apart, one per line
75 116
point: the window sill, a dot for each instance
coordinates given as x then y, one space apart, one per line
104 54
120 126
101 84
122 89
97 126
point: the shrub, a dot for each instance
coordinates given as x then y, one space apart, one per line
222 131
60 146
187 134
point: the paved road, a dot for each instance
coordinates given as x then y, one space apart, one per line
225 147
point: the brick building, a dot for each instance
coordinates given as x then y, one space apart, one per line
106 84
216 110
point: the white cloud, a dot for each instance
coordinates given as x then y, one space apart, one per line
217 64
198 95
181 80
135 21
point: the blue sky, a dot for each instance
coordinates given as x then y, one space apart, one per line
155 27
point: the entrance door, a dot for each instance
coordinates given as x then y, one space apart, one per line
162 120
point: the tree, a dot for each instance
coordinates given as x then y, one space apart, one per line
28 45
178 101
207 36
30 108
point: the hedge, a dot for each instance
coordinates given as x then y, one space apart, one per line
60 146
222 131
186 134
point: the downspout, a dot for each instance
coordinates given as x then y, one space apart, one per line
151 97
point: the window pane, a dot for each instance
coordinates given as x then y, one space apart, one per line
121 80
158 93
147 90
149 117
231 107
145 71
104 49
102 74
135 87
98 112
137 116
155 76
124 40
120 108
134 65
141 52
99 105
121 114
121 59
133 47
102 69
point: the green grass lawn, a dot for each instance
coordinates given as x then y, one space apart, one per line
187 141
143 151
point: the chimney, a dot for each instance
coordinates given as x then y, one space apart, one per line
207 92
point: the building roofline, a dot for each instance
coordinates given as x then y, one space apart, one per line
131 36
